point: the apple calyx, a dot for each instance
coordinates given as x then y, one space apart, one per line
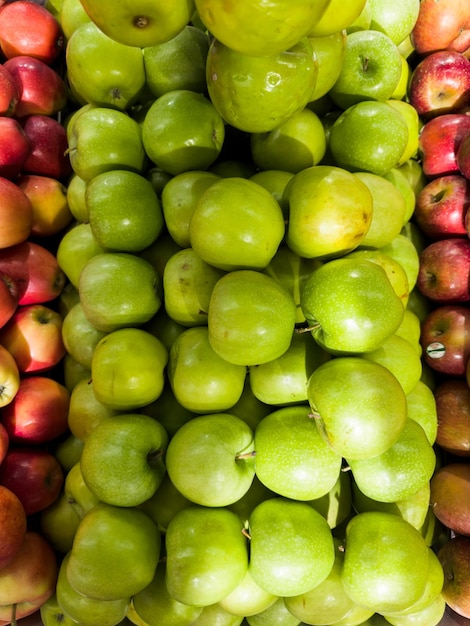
141 21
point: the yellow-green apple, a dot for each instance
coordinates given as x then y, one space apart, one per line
50 611
329 51
445 339
422 408
76 247
16 37
9 92
441 207
77 492
10 377
68 450
35 270
8 297
13 525
414 124
58 523
71 15
453 412
442 25
450 490
444 273
34 475
29 579
49 150
396 20
439 140
38 412
42 89
48 197
16 214
14 147
453 556
33 335
79 335
451 71
76 188
248 598
336 17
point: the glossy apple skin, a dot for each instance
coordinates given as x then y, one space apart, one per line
439 140
8 298
15 147
445 339
444 272
34 475
9 378
13 525
463 157
441 207
442 25
29 579
33 336
35 271
450 496
48 197
4 442
453 416
39 411
16 214
454 556
48 139
9 94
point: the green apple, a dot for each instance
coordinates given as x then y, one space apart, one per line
58 523
275 615
201 380
79 495
127 369
76 247
122 461
118 289
141 23
258 492
248 598
164 327
156 607
249 408
402 183
179 198
351 306
216 614
206 555
188 282
80 337
74 372
71 16
68 298
329 212
210 459
403 250
158 253
283 381
182 131
389 210
236 224
76 188
179 63
413 121
292 457
410 329
163 505
361 616
102 71
413 170
168 411
362 21
401 89
369 136
68 451
359 405
371 69
84 609
50 612
251 318
257 93
101 139
396 20
329 51
335 506
291 546
337 16
422 408
431 614
386 562
114 554
109 196
274 181
295 144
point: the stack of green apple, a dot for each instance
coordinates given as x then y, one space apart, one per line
251 425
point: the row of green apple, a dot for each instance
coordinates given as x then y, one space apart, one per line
249 408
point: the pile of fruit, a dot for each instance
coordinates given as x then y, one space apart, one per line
234 313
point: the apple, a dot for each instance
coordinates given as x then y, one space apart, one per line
444 273
33 335
453 413
448 69
422 408
13 525
76 188
9 94
48 196
8 298
450 487
29 579
441 25
329 51
463 157
396 20
441 207
4 442
10 380
16 214
45 42
14 147
79 335
49 150
337 16
34 475
38 412
35 271
50 611
70 15
76 247
42 90
58 524
445 339
439 140
454 558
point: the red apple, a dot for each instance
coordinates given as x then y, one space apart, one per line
35 271
33 336
16 214
441 207
13 525
453 416
48 197
27 28
8 298
39 411
29 579
444 270
4 442
442 25
463 156
450 496
34 475
454 556
9 94
14 147
48 139
445 339
439 140
9 378
42 90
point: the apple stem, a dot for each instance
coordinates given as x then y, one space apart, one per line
365 63
314 415
155 456
13 615
245 530
202 312
306 329
245 455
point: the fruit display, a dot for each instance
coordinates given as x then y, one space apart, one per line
234 313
